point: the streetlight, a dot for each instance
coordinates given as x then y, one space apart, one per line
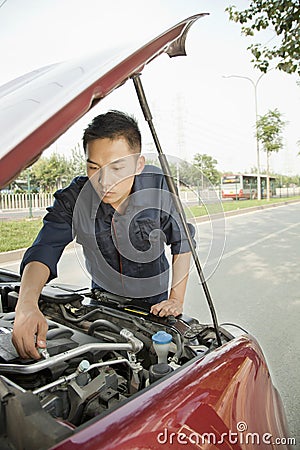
254 84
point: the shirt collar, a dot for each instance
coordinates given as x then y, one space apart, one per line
145 193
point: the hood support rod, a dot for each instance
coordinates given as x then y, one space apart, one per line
177 202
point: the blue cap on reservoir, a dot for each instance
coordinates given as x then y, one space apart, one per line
161 337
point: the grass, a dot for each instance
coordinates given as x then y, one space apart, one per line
214 208
17 234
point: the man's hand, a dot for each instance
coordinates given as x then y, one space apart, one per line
170 307
30 329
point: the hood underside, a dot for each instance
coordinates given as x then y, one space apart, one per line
37 108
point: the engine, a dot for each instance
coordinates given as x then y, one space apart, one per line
101 350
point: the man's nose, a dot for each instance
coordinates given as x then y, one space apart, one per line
105 177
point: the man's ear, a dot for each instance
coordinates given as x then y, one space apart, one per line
140 164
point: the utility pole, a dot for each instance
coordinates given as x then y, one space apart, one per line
254 84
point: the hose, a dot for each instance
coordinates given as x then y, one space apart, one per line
101 324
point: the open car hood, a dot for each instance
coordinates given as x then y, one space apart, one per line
37 108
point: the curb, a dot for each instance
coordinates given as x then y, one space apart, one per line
237 212
14 255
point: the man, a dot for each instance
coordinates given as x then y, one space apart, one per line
122 214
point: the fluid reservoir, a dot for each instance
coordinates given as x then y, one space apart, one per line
158 371
161 343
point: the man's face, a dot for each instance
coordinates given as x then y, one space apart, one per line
111 167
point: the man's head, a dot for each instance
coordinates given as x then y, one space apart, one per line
112 144
114 125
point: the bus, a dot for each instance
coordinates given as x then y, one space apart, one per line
245 186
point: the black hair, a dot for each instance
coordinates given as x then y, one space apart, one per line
114 125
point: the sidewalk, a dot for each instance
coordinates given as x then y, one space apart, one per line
15 214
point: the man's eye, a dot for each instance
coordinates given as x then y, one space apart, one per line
93 168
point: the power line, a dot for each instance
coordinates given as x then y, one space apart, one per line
4 1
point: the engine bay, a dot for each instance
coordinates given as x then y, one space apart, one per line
101 350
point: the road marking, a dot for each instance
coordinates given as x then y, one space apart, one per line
258 241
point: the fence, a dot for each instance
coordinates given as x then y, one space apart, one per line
196 195
213 194
42 201
25 201
287 192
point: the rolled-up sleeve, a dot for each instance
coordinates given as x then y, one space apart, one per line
55 234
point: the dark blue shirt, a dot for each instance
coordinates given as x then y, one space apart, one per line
124 252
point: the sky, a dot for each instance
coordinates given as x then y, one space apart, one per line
195 109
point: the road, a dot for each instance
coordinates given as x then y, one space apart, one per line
257 285
16 214
254 281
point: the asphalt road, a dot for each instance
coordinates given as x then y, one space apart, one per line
257 285
17 214
251 262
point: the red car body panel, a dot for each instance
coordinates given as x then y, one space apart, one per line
214 396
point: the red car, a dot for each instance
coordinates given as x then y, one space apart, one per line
116 376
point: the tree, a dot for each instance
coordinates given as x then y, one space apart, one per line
283 17
77 161
206 164
190 175
183 173
52 173
269 133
